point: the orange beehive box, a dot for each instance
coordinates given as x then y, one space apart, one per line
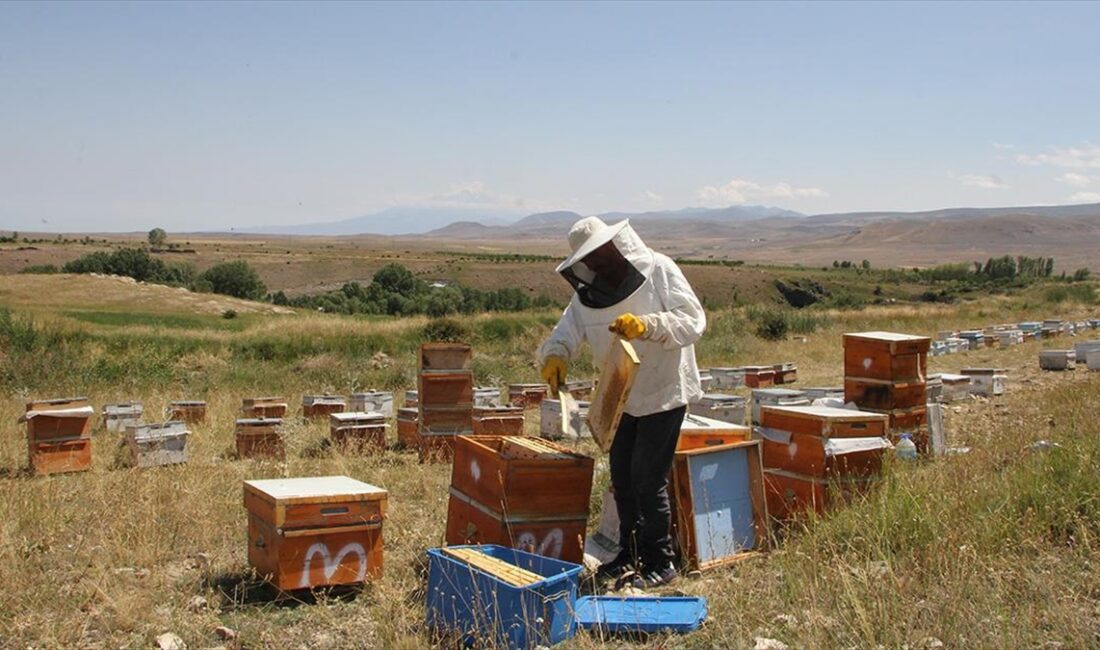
824 421
189 411
260 438
697 432
498 421
886 356
264 407
527 395
821 457
358 431
789 495
306 533
881 395
759 376
528 486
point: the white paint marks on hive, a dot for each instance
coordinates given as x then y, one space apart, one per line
331 564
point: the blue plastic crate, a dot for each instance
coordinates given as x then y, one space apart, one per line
483 610
640 615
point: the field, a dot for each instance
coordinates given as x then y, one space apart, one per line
996 548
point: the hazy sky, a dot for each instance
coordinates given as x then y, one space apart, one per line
125 116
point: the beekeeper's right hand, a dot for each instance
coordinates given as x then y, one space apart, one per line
553 372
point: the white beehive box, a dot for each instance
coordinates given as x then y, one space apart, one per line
116 417
487 397
372 401
776 397
1093 360
987 382
550 421
721 407
728 377
152 445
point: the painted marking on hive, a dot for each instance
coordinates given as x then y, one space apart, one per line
331 564
550 547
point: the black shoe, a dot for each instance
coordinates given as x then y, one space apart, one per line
656 577
615 569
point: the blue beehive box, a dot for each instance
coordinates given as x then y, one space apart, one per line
482 609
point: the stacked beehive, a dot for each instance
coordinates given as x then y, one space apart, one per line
527 395
884 372
759 376
785 373
814 454
445 398
521 492
58 435
372 401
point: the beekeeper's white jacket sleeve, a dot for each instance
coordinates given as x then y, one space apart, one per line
668 376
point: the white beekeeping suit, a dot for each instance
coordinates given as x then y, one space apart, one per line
657 292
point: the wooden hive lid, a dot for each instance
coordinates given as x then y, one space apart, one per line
308 400
187 402
758 368
158 429
721 398
56 403
892 337
777 392
825 413
258 422
357 416
698 424
264 401
317 489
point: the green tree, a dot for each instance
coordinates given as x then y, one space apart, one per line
157 237
236 279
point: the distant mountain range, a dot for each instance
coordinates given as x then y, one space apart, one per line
417 220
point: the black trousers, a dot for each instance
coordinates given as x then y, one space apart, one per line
641 458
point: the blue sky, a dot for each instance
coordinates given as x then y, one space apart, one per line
125 116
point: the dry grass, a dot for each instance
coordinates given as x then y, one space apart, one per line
993 549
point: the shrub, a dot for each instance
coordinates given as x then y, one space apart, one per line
444 330
43 269
236 279
771 325
229 314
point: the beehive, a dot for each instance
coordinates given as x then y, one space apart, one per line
358 431
306 533
322 406
498 421
487 397
720 406
116 417
776 397
728 377
260 438
189 411
785 373
759 376
408 426
445 398
527 395
1057 360
58 435
808 449
264 407
987 382
152 445
373 401
520 492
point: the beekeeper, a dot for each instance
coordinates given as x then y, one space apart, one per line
623 287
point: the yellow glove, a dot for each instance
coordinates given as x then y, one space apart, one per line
628 326
553 373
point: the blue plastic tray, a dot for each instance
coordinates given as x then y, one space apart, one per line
640 614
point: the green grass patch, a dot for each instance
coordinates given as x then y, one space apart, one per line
169 321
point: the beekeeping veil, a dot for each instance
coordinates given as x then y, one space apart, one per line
588 235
